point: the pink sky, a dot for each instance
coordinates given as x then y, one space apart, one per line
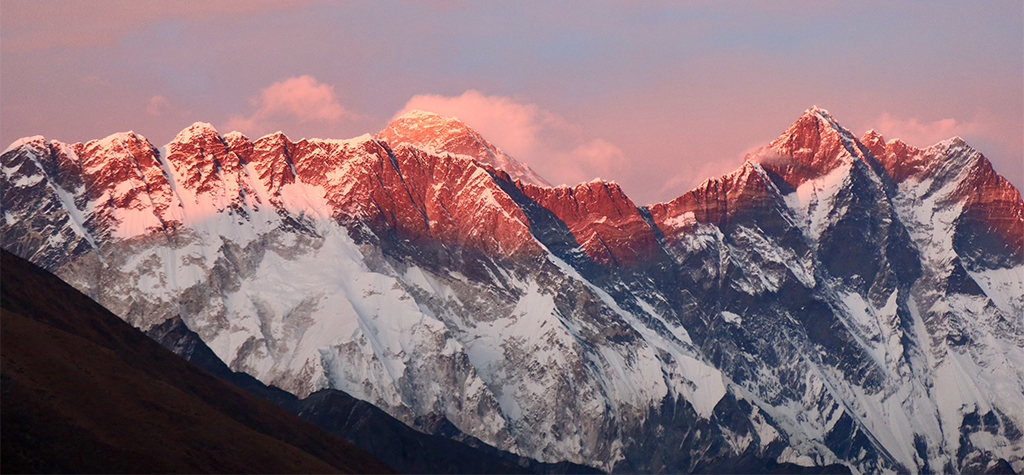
655 96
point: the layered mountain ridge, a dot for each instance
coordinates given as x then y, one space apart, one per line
85 392
834 300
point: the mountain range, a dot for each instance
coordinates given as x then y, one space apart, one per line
835 300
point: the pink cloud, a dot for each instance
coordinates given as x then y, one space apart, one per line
296 99
923 134
558 150
158 105
997 136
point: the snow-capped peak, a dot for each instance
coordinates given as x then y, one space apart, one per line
120 137
440 135
22 141
198 129
872 136
235 135
813 146
426 130
418 114
817 111
954 140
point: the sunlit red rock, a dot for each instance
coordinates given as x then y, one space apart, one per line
272 161
431 179
605 222
717 201
809 148
991 205
440 135
123 170
199 155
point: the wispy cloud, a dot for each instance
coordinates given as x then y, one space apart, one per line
548 143
996 135
924 133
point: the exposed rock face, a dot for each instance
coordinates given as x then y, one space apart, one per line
813 146
743 195
441 135
606 224
835 300
990 207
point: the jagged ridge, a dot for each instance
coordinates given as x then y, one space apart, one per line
813 297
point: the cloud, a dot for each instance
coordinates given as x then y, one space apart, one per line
690 177
996 135
296 99
923 134
158 106
558 150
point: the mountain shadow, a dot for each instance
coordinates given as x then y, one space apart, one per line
366 425
83 391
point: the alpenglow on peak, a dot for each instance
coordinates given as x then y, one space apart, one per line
439 134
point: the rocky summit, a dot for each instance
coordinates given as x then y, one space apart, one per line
835 300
